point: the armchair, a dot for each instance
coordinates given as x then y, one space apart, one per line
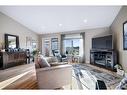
60 57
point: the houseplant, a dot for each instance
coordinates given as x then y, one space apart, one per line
1 46
119 69
35 53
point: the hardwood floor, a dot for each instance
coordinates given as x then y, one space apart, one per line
24 77
19 77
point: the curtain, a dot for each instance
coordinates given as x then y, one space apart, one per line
83 50
61 43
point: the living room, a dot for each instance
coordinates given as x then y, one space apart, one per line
63 47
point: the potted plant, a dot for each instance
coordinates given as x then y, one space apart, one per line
2 46
119 69
35 53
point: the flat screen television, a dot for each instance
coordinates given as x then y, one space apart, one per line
104 42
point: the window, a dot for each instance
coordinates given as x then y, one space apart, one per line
54 43
46 47
73 45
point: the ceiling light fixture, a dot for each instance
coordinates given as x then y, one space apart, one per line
85 20
60 25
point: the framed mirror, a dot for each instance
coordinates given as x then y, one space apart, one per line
11 41
125 35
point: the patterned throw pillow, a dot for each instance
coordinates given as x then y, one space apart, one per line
43 62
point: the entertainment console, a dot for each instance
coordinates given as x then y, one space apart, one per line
103 58
103 53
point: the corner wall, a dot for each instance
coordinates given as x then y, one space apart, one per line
117 30
10 26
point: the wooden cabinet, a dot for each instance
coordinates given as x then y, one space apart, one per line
10 59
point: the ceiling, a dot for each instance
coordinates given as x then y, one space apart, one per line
52 19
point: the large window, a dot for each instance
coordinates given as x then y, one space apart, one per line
73 46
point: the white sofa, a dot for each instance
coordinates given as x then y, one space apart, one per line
54 77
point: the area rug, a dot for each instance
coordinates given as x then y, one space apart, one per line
110 80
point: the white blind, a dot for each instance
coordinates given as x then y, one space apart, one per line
72 36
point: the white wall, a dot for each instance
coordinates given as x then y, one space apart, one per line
117 29
10 26
89 34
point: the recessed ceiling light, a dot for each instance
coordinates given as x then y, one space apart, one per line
85 20
60 25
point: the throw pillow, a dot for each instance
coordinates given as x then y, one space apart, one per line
43 62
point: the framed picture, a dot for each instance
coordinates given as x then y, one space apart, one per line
54 43
125 35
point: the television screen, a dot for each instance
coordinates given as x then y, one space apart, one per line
102 42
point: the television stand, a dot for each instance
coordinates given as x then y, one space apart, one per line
103 58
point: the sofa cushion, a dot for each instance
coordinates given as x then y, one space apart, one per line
58 63
51 59
43 62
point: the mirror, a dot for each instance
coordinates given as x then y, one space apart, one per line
11 41
125 35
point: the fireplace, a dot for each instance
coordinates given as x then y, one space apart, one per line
103 58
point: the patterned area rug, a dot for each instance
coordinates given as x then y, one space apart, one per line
110 80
